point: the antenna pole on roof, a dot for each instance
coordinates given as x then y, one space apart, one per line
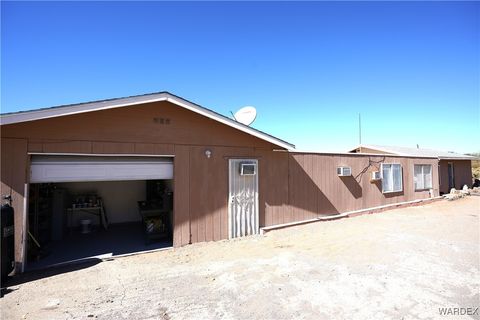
360 132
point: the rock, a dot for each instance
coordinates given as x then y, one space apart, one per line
52 304
453 196
454 191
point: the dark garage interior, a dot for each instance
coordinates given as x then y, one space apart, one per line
74 221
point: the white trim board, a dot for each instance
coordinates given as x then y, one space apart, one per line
347 214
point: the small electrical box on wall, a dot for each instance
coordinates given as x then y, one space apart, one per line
344 171
248 169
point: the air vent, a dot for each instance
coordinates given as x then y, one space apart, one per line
376 175
248 169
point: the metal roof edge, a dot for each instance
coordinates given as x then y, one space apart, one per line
472 158
394 152
358 154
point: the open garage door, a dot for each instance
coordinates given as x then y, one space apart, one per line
54 168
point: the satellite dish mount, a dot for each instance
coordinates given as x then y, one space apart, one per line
246 115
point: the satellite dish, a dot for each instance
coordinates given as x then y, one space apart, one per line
246 115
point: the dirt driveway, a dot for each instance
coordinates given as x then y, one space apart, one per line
399 264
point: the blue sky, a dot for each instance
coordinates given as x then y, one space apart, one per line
411 69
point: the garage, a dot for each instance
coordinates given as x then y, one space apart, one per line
89 207
87 179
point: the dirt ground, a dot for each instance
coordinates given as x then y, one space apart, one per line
399 264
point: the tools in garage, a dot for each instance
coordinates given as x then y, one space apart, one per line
155 221
156 211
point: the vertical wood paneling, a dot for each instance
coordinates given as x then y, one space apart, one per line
209 193
198 188
113 147
181 230
136 124
13 178
220 193
273 186
315 189
35 146
209 196
263 212
154 148
67 146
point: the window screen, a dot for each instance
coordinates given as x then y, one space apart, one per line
422 176
392 178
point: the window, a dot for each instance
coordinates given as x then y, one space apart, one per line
422 176
247 169
391 178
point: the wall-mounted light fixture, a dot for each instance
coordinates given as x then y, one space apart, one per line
208 153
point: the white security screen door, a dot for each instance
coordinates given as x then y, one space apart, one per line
243 198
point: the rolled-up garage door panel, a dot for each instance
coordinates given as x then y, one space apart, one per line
86 168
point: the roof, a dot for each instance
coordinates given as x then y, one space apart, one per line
363 154
64 110
417 152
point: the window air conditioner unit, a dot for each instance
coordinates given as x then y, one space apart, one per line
376 175
344 171
248 169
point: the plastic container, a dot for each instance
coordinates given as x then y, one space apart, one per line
85 225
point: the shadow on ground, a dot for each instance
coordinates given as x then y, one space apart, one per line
46 273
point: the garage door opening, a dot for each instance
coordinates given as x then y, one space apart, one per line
84 207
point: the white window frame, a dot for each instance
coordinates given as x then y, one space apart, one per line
423 177
391 177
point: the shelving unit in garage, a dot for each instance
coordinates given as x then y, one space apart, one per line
40 212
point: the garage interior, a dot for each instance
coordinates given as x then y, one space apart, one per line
84 207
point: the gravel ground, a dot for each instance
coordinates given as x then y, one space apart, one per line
399 264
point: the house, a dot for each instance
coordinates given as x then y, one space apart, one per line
159 165
455 169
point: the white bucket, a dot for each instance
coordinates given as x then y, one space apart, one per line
85 224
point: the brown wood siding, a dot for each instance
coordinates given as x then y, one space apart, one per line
209 191
292 186
181 201
200 184
273 187
462 171
123 129
14 161
314 188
